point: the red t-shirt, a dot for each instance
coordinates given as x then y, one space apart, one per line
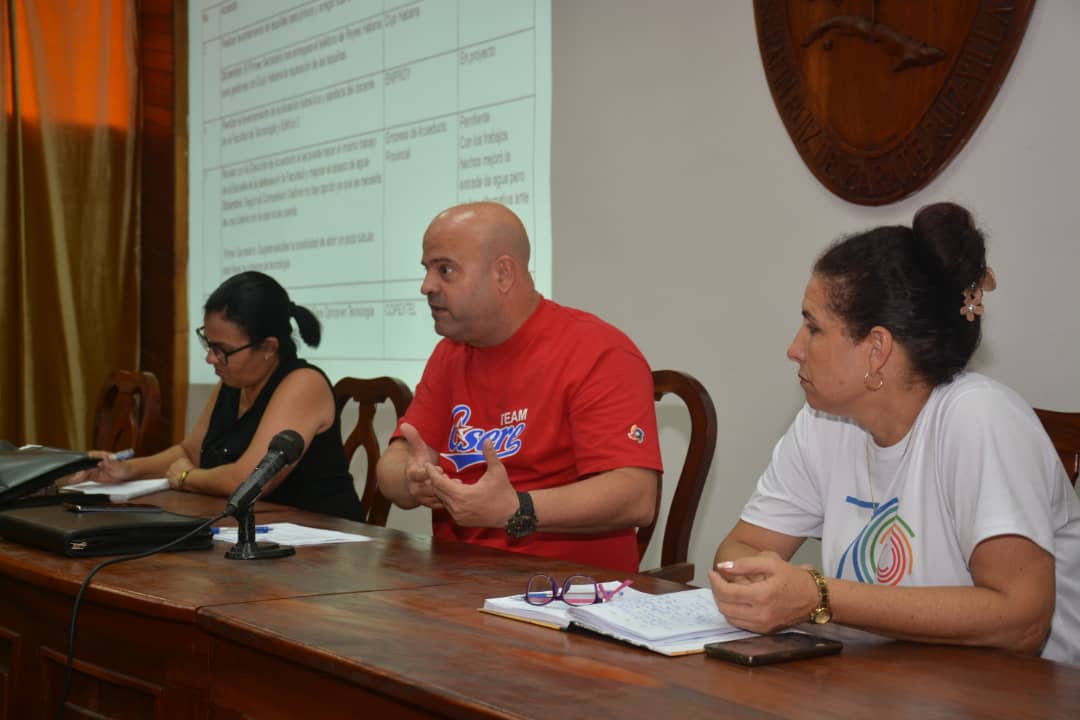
566 397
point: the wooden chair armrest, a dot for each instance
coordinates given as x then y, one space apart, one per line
678 572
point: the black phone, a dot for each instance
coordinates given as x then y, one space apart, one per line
81 507
769 649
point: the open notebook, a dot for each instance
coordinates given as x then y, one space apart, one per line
553 615
119 492
677 623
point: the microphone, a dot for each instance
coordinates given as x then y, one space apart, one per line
285 448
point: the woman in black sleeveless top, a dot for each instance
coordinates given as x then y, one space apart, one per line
320 481
265 388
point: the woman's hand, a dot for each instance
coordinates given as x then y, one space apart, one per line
107 472
763 593
747 578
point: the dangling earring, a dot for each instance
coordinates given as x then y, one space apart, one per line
873 388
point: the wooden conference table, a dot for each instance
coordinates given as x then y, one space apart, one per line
389 629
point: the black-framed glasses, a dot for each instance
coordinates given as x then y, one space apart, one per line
220 353
577 590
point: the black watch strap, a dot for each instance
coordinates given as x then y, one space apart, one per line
525 504
522 522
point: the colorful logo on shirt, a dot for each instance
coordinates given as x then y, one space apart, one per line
636 434
466 442
881 553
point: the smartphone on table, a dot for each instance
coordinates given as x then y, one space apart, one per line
769 649
91 507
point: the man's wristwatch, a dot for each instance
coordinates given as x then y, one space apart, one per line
523 521
823 612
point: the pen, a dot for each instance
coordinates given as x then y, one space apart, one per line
261 529
123 454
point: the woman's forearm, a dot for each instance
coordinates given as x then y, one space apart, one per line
154 466
976 616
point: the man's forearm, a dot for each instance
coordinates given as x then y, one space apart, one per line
614 500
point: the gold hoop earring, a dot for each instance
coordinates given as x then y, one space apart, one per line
872 388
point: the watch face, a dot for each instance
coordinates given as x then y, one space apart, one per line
519 525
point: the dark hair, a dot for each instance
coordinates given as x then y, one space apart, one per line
259 305
911 281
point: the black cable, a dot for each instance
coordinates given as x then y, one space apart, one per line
82 591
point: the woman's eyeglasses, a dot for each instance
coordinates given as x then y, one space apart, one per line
220 353
577 590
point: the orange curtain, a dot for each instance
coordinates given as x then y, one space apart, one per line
68 270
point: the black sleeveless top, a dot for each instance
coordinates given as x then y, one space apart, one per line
320 482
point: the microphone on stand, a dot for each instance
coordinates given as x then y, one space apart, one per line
285 448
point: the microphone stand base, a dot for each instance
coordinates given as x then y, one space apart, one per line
246 547
258 551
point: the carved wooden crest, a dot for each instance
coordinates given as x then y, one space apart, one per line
879 95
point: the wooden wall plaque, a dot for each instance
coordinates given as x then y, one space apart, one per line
879 95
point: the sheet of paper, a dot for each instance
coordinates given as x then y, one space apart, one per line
292 534
119 492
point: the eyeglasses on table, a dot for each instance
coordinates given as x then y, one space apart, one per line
576 590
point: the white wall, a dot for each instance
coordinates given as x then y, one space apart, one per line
683 215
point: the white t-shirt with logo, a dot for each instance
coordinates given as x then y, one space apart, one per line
976 464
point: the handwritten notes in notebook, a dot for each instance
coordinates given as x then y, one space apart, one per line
673 624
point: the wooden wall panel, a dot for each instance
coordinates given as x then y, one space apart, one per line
162 291
10 644
127 664
97 691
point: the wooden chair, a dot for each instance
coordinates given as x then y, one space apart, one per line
1064 431
128 413
368 393
695 470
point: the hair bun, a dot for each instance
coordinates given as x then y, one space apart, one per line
948 231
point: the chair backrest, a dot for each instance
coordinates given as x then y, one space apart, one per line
369 392
695 470
1064 431
128 413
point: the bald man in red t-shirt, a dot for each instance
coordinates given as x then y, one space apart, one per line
533 428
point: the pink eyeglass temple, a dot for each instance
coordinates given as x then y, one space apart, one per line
609 595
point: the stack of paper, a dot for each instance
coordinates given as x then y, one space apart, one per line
673 624
291 534
119 492
554 614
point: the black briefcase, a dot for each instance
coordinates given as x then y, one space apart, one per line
102 531
25 472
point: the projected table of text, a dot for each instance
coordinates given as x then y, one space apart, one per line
326 135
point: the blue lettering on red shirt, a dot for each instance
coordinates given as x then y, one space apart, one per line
466 443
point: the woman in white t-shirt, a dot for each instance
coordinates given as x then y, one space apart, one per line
943 511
